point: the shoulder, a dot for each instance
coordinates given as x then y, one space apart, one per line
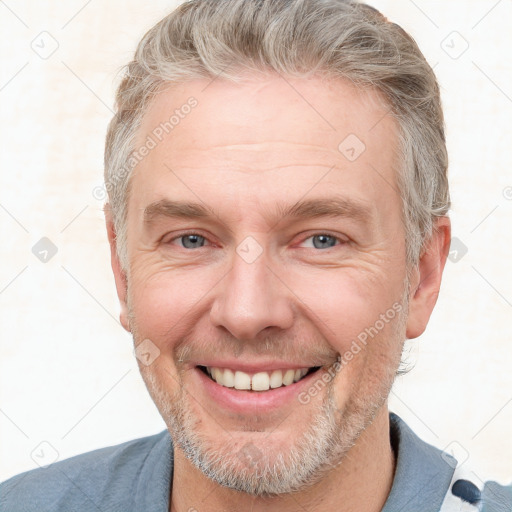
467 488
432 480
106 475
496 498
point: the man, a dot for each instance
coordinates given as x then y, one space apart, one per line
277 218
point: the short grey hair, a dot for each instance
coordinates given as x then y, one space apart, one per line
298 38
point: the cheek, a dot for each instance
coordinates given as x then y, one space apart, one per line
346 307
359 319
165 302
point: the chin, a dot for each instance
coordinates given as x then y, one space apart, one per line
247 459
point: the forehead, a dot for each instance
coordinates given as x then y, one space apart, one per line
276 131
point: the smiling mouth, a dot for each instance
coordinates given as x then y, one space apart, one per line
261 381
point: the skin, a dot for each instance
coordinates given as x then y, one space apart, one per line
241 152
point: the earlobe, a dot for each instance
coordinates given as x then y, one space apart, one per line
426 279
119 273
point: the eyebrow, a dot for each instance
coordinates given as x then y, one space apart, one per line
329 207
303 209
176 209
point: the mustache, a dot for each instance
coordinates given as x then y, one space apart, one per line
301 348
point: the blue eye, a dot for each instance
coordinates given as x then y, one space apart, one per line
192 241
319 241
322 241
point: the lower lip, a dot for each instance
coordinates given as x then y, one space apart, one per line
247 402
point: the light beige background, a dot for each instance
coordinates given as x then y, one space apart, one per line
68 378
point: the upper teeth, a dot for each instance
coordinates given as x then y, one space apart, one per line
261 381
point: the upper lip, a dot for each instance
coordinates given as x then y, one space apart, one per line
253 367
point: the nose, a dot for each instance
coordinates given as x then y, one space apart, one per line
251 298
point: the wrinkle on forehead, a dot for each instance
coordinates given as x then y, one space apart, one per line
299 106
260 156
256 129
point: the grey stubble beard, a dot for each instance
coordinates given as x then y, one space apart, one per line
321 447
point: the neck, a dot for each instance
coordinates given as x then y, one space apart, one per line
361 482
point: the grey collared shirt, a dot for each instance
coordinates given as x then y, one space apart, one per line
137 476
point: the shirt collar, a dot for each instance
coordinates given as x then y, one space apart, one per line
422 474
154 484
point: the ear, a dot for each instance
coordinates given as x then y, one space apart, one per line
426 278
119 274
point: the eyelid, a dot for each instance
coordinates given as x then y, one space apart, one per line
342 239
176 236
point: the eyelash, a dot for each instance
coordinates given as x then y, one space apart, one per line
340 241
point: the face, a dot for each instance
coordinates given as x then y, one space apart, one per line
266 245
